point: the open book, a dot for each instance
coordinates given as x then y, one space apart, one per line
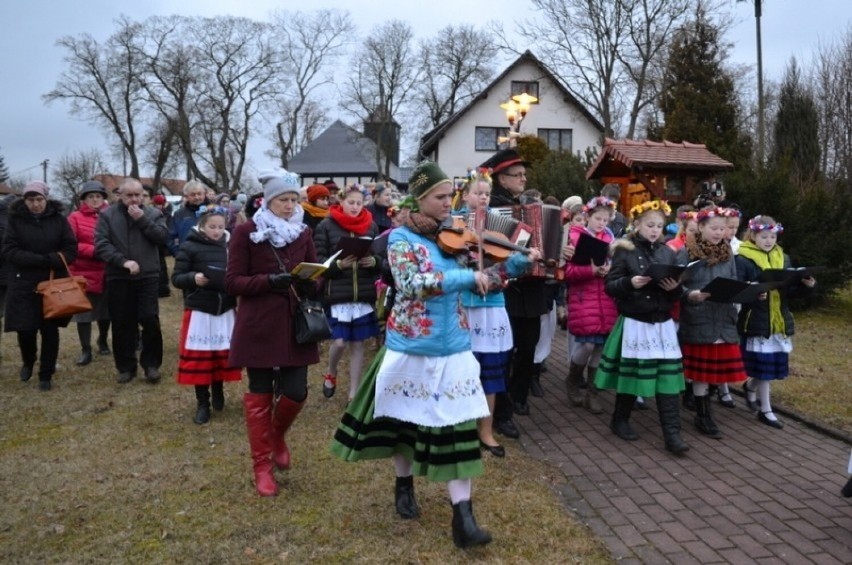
313 271
788 276
722 289
357 246
590 249
660 271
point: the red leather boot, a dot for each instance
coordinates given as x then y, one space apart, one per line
283 415
258 409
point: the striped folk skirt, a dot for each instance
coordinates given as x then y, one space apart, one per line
641 359
713 363
767 359
437 453
205 341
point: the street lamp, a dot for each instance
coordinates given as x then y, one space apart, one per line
516 110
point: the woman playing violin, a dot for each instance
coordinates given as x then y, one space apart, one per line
420 399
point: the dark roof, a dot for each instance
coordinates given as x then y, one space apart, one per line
431 138
339 151
620 156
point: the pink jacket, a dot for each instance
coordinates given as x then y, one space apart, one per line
83 221
590 310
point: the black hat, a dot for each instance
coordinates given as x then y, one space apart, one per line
92 186
502 160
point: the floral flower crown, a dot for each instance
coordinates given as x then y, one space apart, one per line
210 211
598 202
648 205
731 213
473 175
708 213
756 226
687 216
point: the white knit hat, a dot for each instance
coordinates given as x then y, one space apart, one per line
284 181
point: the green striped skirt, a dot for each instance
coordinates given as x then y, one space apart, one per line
639 377
439 454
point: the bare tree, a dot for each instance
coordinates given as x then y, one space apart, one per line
382 77
309 45
103 84
75 168
607 52
832 80
455 65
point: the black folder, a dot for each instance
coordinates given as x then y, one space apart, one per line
590 249
216 276
357 246
788 276
722 289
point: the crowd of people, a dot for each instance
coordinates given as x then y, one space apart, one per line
463 336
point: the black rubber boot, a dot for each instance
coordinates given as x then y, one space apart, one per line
218 396
704 419
465 531
620 424
202 413
669 410
689 398
406 504
84 332
572 384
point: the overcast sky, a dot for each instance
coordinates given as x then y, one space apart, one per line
30 62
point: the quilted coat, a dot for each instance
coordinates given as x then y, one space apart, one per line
590 310
83 221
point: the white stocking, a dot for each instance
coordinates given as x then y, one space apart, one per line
699 389
459 490
401 465
763 393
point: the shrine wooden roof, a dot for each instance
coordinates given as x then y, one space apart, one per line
623 157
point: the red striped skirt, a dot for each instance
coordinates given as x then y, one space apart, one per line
202 367
713 363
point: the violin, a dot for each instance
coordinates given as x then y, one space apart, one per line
457 238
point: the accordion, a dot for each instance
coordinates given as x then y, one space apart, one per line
534 225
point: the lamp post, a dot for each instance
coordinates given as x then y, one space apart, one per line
516 110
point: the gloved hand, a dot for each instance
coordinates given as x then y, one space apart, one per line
280 281
305 287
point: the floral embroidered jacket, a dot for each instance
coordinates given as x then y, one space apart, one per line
428 316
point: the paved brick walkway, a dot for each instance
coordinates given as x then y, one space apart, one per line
758 495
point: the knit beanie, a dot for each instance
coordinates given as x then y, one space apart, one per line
317 191
277 185
424 178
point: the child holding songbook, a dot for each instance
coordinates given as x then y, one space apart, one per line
766 325
591 313
708 329
208 317
642 357
349 291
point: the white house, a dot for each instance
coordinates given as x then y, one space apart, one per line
470 136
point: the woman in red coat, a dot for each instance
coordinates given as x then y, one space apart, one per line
262 252
92 202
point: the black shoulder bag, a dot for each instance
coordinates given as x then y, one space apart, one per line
309 322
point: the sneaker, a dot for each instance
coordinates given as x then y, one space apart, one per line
152 375
124 378
329 385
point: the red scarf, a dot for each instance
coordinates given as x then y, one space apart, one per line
359 225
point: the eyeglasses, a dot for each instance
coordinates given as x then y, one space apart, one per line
516 175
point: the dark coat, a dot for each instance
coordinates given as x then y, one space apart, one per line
356 284
183 220
380 216
706 322
650 304
119 238
263 333
5 202
753 319
200 254
31 247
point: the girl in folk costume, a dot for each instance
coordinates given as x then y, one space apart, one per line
208 318
591 313
82 221
422 394
766 325
708 330
350 287
687 223
732 227
642 356
490 330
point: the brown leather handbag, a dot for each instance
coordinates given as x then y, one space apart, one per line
62 298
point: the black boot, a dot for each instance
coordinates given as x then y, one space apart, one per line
85 357
406 504
620 424
667 406
689 398
465 531
846 491
103 330
202 413
704 419
26 372
535 381
218 396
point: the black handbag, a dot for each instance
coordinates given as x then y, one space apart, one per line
309 322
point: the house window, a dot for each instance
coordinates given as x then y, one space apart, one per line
557 139
486 138
521 86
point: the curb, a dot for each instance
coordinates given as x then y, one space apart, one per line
816 425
